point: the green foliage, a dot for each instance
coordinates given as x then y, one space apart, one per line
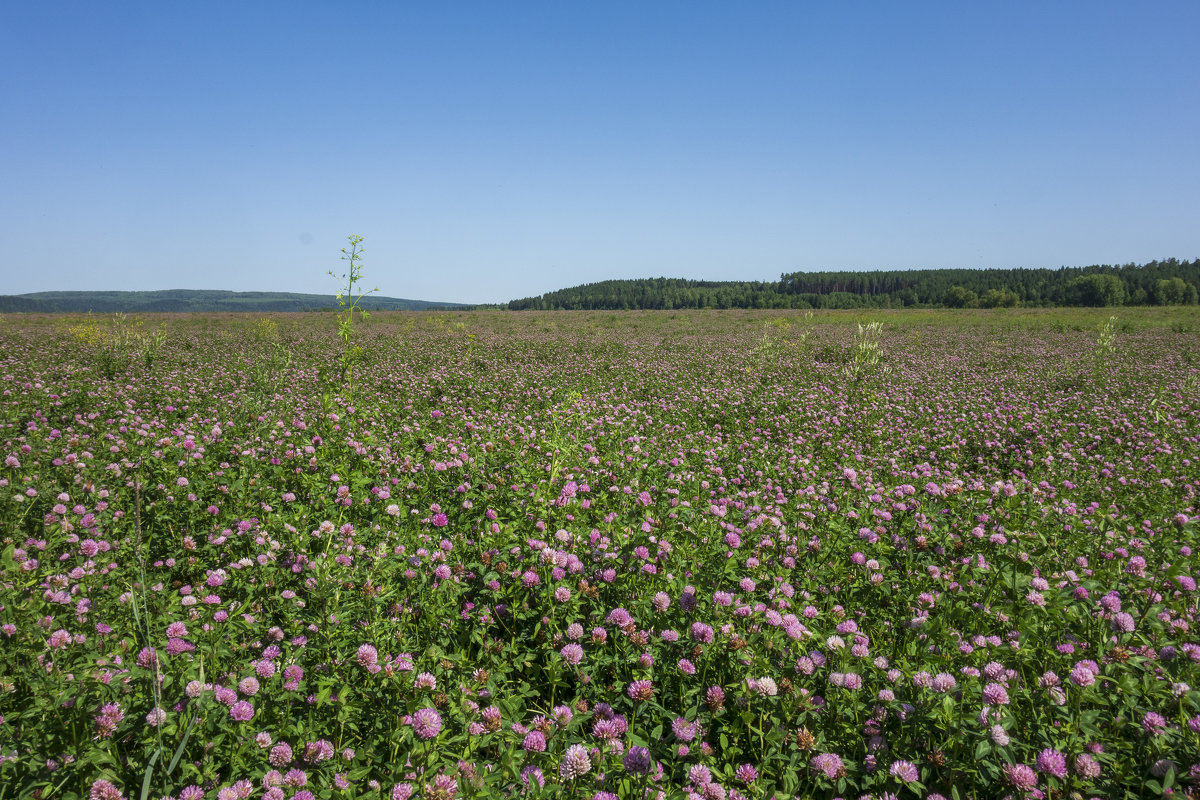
1106 347
866 356
1173 291
782 348
771 347
272 360
120 344
999 298
960 297
804 337
1097 290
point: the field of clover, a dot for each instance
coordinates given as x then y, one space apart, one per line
600 555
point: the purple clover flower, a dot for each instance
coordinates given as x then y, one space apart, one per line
1051 762
427 723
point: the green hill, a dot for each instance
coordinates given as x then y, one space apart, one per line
198 300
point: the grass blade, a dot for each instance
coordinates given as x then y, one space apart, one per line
149 774
183 744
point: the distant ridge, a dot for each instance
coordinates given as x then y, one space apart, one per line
198 300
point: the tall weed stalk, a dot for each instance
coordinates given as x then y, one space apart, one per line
349 304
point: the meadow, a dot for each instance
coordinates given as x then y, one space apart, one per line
601 555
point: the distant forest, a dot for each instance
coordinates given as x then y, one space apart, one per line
1169 282
197 300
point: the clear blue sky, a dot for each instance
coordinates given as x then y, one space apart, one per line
494 150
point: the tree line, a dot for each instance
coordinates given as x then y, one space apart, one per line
1168 282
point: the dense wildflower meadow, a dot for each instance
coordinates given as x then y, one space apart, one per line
601 555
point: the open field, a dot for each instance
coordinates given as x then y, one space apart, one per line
598 554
